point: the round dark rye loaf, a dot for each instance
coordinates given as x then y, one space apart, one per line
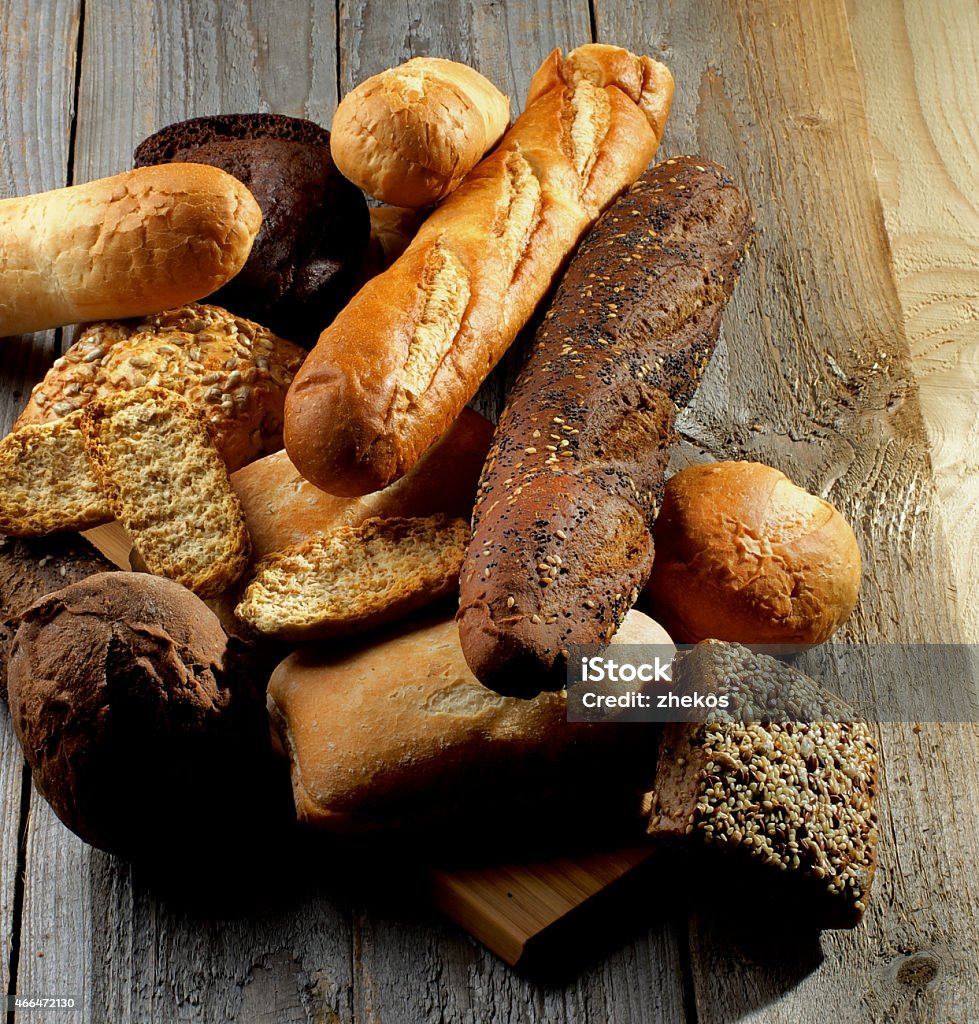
315 225
561 543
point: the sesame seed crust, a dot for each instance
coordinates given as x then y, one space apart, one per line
576 469
792 796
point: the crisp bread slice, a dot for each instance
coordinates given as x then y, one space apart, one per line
355 578
166 483
782 783
47 484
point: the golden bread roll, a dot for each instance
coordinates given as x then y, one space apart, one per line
409 135
283 510
742 554
124 246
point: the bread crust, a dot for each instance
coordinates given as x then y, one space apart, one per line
561 540
282 509
412 347
410 134
745 555
123 246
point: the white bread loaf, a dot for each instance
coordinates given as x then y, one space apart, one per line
412 347
124 246
409 135
401 731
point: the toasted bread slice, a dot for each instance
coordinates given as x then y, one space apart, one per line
355 578
166 483
47 483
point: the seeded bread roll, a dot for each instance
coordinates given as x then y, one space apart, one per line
409 135
234 371
166 484
412 347
282 509
790 803
29 569
561 541
124 246
743 554
314 230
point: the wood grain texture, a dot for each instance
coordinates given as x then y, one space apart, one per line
918 63
37 75
148 64
815 378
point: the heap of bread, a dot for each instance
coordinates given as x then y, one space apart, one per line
340 555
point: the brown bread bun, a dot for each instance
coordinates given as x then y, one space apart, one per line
33 567
742 554
409 135
135 713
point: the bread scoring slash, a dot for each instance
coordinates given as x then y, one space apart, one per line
561 541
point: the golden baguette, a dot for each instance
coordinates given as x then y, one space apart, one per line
124 246
413 346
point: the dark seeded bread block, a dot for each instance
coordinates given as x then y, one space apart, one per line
31 568
788 802
315 224
561 540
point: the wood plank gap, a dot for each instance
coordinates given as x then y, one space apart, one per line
19 884
339 53
593 21
75 96
691 1016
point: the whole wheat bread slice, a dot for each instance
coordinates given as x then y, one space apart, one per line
47 483
355 578
166 483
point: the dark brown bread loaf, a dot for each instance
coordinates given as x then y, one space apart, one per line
31 568
561 539
315 225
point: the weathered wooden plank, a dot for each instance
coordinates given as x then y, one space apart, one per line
37 75
916 64
814 377
129 953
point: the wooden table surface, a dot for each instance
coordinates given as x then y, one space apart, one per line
849 358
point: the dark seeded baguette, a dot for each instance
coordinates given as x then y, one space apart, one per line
561 543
